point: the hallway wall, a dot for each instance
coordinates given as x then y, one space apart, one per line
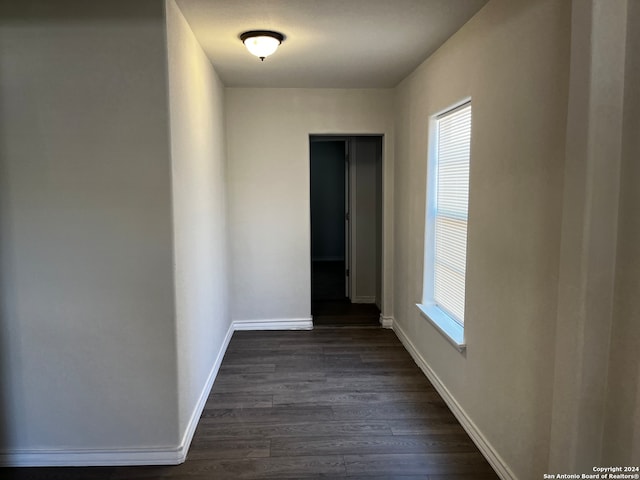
268 182
196 100
621 441
512 60
88 359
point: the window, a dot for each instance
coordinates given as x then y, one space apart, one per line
443 297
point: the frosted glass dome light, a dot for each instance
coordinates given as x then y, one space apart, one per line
261 43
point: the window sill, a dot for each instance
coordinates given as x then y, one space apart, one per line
448 327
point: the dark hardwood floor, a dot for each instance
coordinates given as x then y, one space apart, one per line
344 313
332 403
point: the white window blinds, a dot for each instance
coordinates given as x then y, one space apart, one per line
451 210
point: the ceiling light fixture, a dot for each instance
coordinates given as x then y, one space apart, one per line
261 43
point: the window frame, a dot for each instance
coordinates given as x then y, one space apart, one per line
449 326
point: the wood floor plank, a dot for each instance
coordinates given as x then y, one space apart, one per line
287 383
390 350
352 364
384 356
266 415
351 398
378 375
389 364
365 382
238 400
206 449
264 468
142 473
249 368
271 383
267 335
367 445
425 426
56 473
343 340
417 464
355 365
270 377
393 411
299 429
270 356
249 344
274 388
299 362
275 347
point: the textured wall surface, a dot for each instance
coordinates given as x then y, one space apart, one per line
196 98
268 183
88 354
512 60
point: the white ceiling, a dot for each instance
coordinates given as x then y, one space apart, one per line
329 43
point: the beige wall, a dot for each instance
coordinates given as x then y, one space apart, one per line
364 155
587 272
196 97
512 60
622 430
88 356
268 183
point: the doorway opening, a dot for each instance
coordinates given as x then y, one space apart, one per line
346 229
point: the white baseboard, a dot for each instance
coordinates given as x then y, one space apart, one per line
494 459
274 324
92 457
202 400
363 299
161 455
386 322
171 455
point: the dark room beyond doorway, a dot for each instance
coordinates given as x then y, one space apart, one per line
333 196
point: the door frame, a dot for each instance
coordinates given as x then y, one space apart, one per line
347 220
350 207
